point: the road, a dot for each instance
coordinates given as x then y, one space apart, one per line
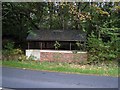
20 78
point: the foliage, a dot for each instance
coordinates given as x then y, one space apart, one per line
9 53
13 54
100 51
101 18
22 58
9 46
103 41
80 46
57 45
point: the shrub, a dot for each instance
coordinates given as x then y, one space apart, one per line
9 46
100 51
12 54
22 58
9 53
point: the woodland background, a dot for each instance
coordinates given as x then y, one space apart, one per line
100 20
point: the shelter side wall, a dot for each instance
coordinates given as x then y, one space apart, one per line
34 54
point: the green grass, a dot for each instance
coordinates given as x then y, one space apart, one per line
65 67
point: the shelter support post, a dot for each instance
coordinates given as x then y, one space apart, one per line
70 45
41 45
84 46
28 45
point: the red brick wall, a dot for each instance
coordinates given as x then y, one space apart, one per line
62 57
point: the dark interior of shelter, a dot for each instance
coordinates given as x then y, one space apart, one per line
49 45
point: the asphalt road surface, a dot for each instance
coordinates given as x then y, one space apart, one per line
20 78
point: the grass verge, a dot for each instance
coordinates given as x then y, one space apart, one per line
65 67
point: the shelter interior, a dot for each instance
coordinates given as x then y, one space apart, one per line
50 45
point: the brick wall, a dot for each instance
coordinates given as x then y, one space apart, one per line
62 56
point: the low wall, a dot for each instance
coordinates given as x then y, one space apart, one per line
59 55
62 56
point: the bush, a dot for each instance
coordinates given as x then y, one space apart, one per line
22 58
100 51
9 53
12 54
9 45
